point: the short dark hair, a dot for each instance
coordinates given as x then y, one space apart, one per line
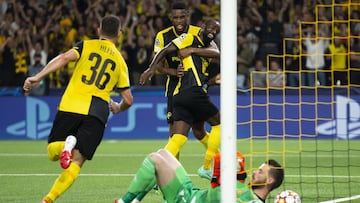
277 172
110 26
178 5
211 22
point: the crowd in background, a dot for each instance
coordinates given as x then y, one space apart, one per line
299 43
34 31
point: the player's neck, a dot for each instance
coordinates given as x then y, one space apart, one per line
185 30
107 38
261 192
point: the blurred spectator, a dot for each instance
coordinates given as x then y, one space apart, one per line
275 77
35 68
21 63
355 23
196 14
68 31
338 61
40 47
249 22
245 58
324 22
355 62
271 35
81 34
293 63
315 60
210 9
10 21
138 53
257 75
7 66
246 29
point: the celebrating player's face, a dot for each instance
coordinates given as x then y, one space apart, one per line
179 20
260 177
211 30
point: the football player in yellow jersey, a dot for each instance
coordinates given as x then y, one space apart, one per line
190 100
84 108
180 19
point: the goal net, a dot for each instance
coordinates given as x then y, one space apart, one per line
310 125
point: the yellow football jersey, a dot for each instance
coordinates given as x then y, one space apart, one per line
163 38
195 67
98 70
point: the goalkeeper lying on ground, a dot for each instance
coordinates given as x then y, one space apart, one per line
163 169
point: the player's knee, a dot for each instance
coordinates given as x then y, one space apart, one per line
155 157
199 132
54 149
163 152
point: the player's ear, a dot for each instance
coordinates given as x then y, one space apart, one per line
270 181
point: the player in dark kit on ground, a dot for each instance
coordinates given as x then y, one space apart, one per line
83 111
174 182
180 19
190 100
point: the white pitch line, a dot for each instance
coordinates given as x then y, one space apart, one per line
127 175
345 199
85 175
183 155
320 176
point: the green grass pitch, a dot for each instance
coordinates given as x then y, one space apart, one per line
26 174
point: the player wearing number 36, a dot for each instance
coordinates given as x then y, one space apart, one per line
83 111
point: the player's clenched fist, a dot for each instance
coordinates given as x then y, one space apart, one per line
30 83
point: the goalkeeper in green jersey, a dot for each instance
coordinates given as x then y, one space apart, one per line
165 170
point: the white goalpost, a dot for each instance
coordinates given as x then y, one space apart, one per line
228 99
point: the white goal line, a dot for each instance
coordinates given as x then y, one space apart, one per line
345 199
130 175
187 155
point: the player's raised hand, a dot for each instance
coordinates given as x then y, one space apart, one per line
30 83
146 75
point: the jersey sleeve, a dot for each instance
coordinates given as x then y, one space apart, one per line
78 47
159 43
183 41
124 81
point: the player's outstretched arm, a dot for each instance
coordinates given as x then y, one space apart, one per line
148 73
204 52
59 61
